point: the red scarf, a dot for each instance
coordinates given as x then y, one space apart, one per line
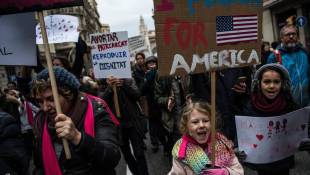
50 162
29 113
274 106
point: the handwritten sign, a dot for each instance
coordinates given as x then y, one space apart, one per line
17 39
195 36
110 55
17 6
59 28
269 139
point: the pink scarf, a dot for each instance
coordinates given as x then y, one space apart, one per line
29 113
50 162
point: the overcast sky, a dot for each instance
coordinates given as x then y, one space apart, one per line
124 15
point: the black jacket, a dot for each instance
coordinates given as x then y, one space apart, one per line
99 155
128 95
13 157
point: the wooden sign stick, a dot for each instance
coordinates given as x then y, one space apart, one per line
116 104
52 77
213 118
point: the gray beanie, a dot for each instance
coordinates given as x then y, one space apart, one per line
63 78
274 66
150 58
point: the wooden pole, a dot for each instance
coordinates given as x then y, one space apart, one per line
116 104
213 114
52 77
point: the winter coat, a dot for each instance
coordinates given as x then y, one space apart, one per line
297 64
93 155
164 88
128 95
13 154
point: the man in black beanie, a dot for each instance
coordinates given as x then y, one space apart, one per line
86 122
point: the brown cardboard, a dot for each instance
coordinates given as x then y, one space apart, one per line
18 6
206 16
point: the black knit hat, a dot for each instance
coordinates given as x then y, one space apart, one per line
63 78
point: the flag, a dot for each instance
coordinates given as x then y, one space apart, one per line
236 29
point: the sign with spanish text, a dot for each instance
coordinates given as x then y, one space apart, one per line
59 29
110 54
17 6
195 36
269 139
17 39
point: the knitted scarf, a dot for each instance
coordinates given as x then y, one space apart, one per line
274 106
196 157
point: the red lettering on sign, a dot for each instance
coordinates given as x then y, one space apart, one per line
168 25
165 5
199 29
185 33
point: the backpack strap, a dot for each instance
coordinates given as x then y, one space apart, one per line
277 53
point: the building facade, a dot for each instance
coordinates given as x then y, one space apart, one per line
144 42
278 12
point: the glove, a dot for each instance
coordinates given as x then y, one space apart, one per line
304 145
241 155
215 171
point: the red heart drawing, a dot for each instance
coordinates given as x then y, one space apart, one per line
259 137
254 145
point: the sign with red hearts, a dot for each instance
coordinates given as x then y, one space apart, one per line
269 139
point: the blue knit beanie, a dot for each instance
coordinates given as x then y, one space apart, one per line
63 78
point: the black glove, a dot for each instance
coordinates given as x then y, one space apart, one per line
304 145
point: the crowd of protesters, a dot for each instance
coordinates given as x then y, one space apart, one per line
174 111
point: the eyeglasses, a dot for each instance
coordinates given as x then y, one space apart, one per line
290 34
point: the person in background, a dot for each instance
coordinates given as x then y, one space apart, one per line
170 95
132 123
191 154
270 96
61 62
156 129
139 70
294 57
86 122
265 53
13 153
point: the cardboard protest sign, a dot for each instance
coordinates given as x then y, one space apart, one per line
269 139
203 35
17 43
110 55
59 28
17 6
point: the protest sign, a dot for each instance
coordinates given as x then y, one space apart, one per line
269 139
17 43
195 36
110 55
17 6
59 28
